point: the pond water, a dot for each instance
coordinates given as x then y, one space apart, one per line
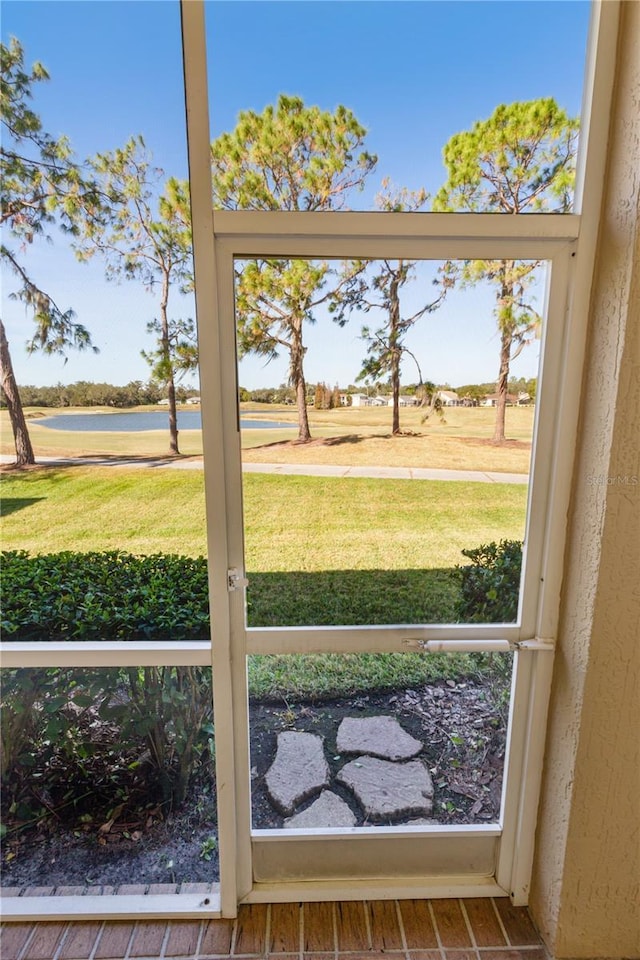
154 420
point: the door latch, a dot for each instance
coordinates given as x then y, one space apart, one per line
236 580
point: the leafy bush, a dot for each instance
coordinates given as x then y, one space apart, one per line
490 584
102 733
50 716
104 596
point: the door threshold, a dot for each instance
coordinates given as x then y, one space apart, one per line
428 888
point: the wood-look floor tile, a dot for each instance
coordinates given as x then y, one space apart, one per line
148 938
534 953
418 928
13 937
159 889
216 938
45 941
517 923
318 933
379 955
425 955
484 923
183 938
114 940
80 940
351 926
284 928
450 923
131 889
251 928
384 926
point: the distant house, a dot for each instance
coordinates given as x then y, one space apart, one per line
403 401
491 399
164 402
362 400
193 400
448 398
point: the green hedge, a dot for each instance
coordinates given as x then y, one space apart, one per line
106 596
119 596
490 584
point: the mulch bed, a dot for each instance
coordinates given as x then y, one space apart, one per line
463 725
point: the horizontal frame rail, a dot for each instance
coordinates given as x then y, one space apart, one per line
182 906
440 830
373 248
379 639
110 653
384 226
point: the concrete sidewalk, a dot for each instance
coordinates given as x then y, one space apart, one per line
387 473
289 469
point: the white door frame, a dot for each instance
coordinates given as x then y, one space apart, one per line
473 860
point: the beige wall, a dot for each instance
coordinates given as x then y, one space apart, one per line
586 880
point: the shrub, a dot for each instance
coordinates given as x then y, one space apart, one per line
490 584
53 718
104 596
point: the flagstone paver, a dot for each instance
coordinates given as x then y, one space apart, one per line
328 810
378 736
389 791
298 772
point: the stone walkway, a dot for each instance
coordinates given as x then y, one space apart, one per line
382 774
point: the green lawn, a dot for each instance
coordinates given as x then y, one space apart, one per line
318 550
91 508
292 523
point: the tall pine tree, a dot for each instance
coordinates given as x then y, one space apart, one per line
520 160
297 158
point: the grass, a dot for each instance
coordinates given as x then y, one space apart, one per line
333 675
348 436
296 523
93 508
318 551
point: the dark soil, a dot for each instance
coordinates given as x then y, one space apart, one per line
148 848
462 724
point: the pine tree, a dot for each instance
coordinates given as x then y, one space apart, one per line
290 157
522 159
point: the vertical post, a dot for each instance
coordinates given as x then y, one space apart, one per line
207 314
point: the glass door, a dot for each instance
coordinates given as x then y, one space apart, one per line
387 671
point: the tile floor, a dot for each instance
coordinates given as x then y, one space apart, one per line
479 929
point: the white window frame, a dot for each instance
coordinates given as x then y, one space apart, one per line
569 241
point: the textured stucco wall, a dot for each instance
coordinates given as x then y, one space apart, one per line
586 880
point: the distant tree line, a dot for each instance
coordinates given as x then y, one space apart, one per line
137 393
86 394
515 386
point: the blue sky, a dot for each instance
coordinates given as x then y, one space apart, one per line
414 73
